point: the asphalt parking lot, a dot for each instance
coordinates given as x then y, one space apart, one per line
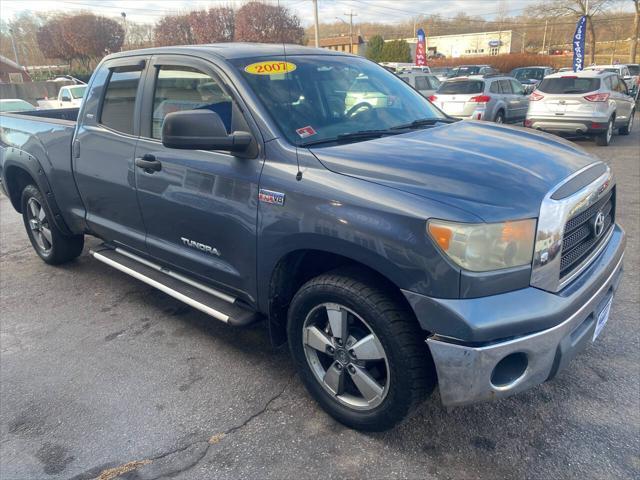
102 375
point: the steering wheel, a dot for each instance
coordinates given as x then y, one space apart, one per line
351 112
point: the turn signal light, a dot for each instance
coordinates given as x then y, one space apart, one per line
597 97
441 234
480 99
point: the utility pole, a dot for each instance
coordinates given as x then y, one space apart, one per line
124 24
315 20
351 15
13 44
544 37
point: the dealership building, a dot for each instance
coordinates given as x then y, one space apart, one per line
471 44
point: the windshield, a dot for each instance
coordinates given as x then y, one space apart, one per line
461 87
569 85
77 92
464 71
15 106
318 97
528 73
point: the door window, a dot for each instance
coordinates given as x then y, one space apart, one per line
505 86
422 83
119 101
495 87
184 88
517 87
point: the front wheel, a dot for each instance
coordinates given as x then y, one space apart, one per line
604 139
626 130
48 241
359 351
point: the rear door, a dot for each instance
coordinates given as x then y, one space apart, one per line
104 149
520 100
200 208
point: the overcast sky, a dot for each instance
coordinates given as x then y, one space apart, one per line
389 11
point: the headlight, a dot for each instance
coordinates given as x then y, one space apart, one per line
481 247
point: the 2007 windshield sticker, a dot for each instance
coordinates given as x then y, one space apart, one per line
271 67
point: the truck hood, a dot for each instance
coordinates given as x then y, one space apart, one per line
493 171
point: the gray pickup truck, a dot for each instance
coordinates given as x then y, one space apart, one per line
393 247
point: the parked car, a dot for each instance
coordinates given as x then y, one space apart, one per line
67 78
71 95
632 80
529 77
426 84
15 105
414 68
468 70
565 69
441 72
364 94
496 98
590 102
391 247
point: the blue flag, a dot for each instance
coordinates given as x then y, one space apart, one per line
578 44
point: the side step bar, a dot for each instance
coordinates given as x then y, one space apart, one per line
217 304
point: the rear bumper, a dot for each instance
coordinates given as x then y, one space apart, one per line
568 125
470 365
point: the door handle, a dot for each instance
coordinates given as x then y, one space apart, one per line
148 163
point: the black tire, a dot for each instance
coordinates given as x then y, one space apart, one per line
411 372
604 139
499 118
54 247
626 130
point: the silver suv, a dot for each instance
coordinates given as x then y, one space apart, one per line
496 98
425 83
591 102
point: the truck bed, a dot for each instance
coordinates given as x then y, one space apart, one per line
46 135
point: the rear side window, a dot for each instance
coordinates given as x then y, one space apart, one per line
634 69
569 85
461 87
119 101
422 83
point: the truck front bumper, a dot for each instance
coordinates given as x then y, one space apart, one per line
471 371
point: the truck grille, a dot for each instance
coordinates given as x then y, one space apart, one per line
579 238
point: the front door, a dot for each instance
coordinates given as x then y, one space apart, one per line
104 150
200 208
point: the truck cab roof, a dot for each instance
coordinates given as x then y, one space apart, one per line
232 50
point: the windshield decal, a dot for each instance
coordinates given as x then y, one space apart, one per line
305 132
270 67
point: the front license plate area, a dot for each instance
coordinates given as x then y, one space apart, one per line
603 316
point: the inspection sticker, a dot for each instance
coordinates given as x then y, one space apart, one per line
270 67
305 132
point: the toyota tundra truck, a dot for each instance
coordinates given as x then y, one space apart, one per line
391 246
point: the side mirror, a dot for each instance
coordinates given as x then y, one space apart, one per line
627 77
66 99
201 130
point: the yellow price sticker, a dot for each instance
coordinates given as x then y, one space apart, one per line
270 68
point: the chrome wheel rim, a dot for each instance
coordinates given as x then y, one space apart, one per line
609 131
39 225
345 356
499 119
630 121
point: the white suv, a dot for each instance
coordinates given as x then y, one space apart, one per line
591 102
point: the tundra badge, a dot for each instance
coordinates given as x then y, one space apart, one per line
200 246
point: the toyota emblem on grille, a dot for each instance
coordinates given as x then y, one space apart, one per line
598 224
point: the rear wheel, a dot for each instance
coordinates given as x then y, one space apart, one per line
604 139
627 128
359 351
48 241
499 117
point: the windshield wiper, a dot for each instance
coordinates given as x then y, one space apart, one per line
359 135
424 122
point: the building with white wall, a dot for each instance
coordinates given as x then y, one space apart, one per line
471 44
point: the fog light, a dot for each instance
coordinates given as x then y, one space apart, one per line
509 369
